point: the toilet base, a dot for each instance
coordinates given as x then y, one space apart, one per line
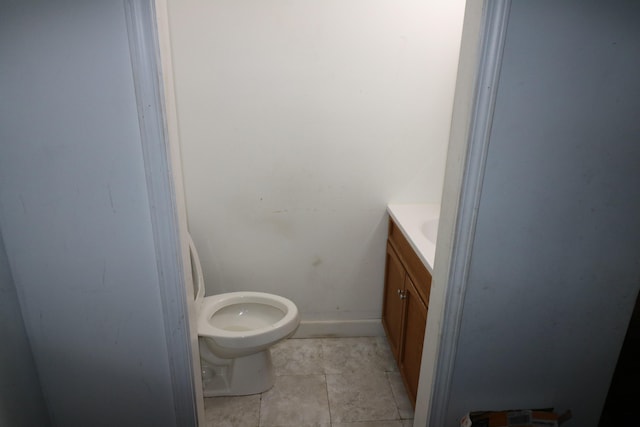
241 376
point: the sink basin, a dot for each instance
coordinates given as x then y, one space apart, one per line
419 224
430 230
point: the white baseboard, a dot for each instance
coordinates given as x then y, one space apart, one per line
339 328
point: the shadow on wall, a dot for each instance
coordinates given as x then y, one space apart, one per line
21 401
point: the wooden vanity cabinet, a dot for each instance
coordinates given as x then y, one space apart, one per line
415 322
393 304
407 286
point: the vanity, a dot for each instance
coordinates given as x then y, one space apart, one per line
410 253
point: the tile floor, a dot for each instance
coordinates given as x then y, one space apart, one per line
323 382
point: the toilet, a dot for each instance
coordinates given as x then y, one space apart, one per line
235 333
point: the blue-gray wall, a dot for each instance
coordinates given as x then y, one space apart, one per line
21 401
555 264
75 214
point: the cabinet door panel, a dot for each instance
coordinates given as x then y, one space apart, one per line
411 262
392 306
414 327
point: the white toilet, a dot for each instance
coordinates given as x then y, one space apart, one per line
236 330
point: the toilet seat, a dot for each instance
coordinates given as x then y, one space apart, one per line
264 334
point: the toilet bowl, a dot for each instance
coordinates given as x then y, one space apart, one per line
235 333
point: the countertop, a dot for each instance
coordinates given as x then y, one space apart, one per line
419 224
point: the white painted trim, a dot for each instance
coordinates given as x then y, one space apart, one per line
144 49
493 34
339 328
173 134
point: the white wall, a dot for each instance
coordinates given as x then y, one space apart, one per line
21 401
554 272
299 122
75 215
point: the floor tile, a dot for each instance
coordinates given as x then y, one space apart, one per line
370 424
346 355
298 357
358 397
307 425
385 354
296 400
235 411
323 382
405 408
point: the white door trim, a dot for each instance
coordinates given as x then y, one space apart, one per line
145 57
492 39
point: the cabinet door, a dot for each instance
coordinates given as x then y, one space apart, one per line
414 327
394 280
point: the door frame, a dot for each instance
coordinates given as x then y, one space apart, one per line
482 45
483 38
149 45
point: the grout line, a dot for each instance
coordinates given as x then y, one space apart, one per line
260 410
393 393
326 384
326 387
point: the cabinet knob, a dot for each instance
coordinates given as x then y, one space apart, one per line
402 294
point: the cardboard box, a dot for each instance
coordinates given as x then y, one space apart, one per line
514 418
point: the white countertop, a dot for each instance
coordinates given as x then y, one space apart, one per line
419 224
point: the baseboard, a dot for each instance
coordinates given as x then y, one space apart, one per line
339 328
